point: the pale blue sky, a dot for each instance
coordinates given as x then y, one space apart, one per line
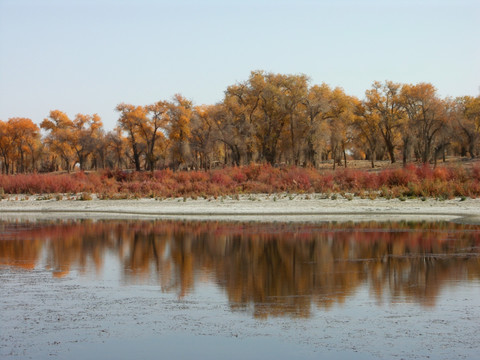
87 56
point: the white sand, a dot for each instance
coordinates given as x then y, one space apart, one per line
280 207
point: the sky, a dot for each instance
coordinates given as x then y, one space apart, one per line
87 56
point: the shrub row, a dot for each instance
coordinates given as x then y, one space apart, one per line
424 181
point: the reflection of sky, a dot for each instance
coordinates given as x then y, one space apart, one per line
208 347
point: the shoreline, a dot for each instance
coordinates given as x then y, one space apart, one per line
279 207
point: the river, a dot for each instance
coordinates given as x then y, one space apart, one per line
164 289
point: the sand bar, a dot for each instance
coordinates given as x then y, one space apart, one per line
281 207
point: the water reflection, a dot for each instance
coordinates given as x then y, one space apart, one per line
276 269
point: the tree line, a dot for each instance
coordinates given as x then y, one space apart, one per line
269 118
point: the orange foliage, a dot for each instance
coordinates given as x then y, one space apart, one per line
279 119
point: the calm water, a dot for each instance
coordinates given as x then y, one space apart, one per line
173 289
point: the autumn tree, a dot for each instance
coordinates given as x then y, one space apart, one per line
152 131
25 136
59 133
6 146
447 133
236 122
204 134
426 113
99 155
271 117
130 120
180 113
268 102
73 140
385 101
294 90
115 146
84 136
366 123
340 119
467 120
316 107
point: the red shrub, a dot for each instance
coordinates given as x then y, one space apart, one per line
296 179
476 172
222 179
198 176
182 177
348 179
409 181
324 184
397 177
252 171
369 181
423 172
458 174
162 175
441 173
239 176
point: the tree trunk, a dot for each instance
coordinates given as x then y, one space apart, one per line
67 164
471 149
295 156
22 162
81 160
426 152
7 166
334 157
236 155
33 161
405 150
136 157
270 157
391 152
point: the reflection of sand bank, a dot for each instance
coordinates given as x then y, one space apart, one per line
250 208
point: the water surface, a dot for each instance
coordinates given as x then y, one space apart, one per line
117 289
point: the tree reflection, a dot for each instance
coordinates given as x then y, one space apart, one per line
269 269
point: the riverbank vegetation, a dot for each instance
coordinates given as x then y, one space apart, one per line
276 119
402 182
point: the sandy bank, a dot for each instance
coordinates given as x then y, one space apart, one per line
247 207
